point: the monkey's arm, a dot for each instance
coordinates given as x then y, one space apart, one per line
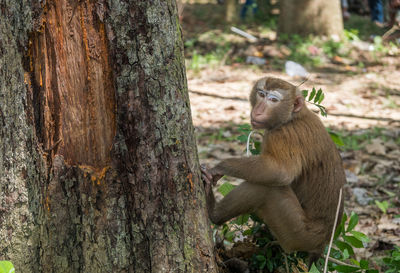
259 170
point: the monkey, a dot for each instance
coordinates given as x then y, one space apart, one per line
294 184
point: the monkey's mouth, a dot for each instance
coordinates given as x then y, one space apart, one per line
256 124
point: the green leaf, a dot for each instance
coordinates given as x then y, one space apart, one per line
372 271
355 262
344 246
262 261
312 94
247 232
323 110
6 267
316 99
360 236
336 139
383 206
321 98
353 222
364 264
229 236
340 229
225 188
346 268
244 127
304 93
346 254
257 145
270 265
314 269
242 219
353 241
242 138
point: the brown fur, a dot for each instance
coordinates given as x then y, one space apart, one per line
294 184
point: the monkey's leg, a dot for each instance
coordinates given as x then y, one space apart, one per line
287 220
244 198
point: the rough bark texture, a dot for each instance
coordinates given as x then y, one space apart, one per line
99 169
20 164
318 17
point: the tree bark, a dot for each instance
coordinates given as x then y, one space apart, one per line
231 12
303 17
110 178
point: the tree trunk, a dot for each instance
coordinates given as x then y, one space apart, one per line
318 17
100 169
231 13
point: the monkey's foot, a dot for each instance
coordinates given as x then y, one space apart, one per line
207 178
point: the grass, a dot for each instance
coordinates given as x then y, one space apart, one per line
365 27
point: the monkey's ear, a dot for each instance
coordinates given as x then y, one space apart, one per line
298 103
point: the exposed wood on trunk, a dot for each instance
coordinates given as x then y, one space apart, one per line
73 84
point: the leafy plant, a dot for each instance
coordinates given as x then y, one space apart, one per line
383 206
393 261
345 239
351 34
6 267
316 97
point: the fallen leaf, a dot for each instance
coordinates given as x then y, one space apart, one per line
376 147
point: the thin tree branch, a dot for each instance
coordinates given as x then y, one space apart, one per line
216 96
363 117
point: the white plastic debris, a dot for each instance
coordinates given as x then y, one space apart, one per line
244 34
294 69
255 60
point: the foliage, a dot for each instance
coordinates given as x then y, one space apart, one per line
6 267
383 206
315 98
364 26
354 142
299 49
393 261
345 239
213 58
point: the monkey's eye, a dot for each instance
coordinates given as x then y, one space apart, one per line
262 94
273 98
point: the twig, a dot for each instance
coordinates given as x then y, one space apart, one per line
336 261
216 96
333 230
223 61
286 262
272 243
363 117
390 32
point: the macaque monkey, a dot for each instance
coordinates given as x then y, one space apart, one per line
294 184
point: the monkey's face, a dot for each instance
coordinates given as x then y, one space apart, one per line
273 101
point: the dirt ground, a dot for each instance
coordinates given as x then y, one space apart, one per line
361 101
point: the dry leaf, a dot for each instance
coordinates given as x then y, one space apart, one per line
376 147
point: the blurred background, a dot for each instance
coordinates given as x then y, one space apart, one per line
349 49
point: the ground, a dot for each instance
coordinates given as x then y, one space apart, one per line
360 78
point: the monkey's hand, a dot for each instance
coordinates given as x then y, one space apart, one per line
210 177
